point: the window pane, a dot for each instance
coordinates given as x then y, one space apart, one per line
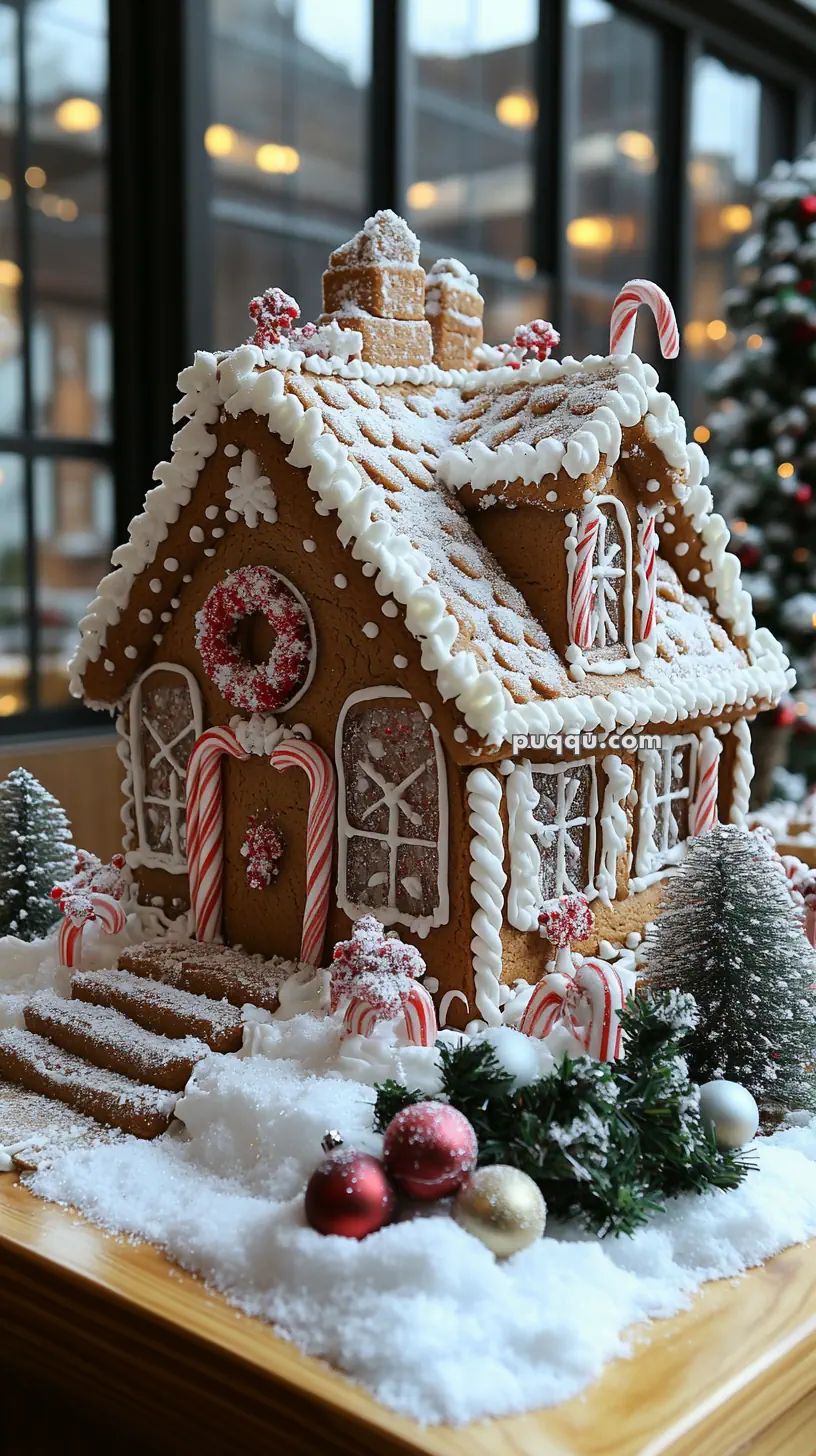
13 599
288 130
247 262
11 374
727 123
611 166
74 518
67 77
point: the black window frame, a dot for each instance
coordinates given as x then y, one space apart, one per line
161 205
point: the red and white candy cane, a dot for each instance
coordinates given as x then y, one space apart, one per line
105 909
295 753
417 1008
601 988
624 315
580 613
704 808
647 601
205 827
549 1004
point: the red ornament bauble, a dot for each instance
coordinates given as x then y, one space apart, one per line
349 1194
429 1150
805 286
807 207
803 493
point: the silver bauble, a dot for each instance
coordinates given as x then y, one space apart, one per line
729 1110
503 1208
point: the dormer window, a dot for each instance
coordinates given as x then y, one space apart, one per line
599 589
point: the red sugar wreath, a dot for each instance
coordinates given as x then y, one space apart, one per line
258 687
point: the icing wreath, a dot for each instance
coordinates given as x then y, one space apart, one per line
257 687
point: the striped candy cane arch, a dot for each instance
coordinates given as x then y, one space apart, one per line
418 1013
103 908
624 316
596 986
205 827
318 768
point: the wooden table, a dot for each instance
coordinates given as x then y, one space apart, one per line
121 1326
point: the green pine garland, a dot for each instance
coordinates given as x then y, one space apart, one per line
606 1142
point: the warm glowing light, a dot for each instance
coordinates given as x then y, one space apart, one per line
717 329
801 708
421 195
525 267
220 140
702 434
9 703
754 341
739 528
785 470
736 218
78 113
636 145
5 189
10 273
67 210
273 158
49 204
591 232
694 334
517 109
801 554
813 624
35 177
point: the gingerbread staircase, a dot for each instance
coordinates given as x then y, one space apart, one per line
125 1045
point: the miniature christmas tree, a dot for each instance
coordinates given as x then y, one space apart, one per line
729 933
35 853
763 432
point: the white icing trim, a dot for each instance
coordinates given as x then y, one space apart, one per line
390 914
651 863
259 735
175 862
526 898
743 773
586 660
614 825
487 881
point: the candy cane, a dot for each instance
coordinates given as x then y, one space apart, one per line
602 988
360 1018
106 910
205 827
295 753
624 315
420 1016
704 809
580 623
548 1005
647 596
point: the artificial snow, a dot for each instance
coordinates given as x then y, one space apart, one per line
29 966
421 1314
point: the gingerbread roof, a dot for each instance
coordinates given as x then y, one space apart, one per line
380 449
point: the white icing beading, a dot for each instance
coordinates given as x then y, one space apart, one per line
487 881
614 824
743 773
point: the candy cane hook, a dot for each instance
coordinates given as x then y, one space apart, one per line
106 910
296 753
624 316
205 827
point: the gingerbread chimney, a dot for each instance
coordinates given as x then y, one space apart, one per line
454 309
374 284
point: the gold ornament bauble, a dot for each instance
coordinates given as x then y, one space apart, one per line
503 1208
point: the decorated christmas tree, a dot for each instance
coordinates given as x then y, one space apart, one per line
35 853
763 430
729 934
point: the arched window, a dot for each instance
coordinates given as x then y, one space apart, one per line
165 720
392 812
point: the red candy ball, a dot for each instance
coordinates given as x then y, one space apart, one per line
429 1150
349 1194
807 207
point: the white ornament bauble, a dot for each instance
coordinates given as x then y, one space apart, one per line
729 1110
518 1054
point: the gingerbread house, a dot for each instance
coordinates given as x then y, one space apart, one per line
420 628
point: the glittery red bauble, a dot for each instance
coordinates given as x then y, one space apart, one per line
429 1150
349 1194
807 206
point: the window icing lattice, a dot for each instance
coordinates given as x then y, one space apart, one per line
565 828
393 819
602 588
666 786
165 721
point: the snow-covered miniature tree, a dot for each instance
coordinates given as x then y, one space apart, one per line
763 430
728 932
36 852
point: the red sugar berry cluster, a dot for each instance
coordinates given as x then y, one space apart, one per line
565 920
266 686
273 313
262 849
538 338
374 969
90 873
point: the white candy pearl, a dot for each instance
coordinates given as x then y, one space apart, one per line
730 1111
518 1054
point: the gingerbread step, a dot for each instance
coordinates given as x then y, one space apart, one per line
108 1039
208 970
31 1061
163 1009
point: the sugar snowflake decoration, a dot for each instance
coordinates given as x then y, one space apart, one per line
250 492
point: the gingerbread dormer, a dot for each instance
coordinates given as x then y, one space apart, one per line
375 285
454 309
